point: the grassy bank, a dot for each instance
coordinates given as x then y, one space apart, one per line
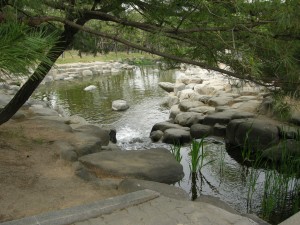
73 57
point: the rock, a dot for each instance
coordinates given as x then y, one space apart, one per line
245 98
4 99
76 121
202 109
156 135
219 130
185 105
295 118
96 132
85 144
242 115
120 105
167 125
204 89
178 87
216 202
220 101
19 115
87 73
131 185
219 117
154 164
167 86
82 172
248 106
43 111
174 111
187 119
222 108
225 117
172 100
289 132
90 88
185 94
200 131
266 106
285 150
43 123
66 151
111 147
176 136
190 79
259 134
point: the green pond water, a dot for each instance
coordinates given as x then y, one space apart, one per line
225 178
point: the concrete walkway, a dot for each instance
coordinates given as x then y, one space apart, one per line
143 207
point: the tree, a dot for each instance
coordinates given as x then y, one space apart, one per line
258 40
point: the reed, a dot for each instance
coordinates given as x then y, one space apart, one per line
175 150
198 155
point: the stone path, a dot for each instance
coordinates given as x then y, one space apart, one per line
143 207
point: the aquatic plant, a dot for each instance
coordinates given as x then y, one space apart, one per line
175 150
198 155
281 186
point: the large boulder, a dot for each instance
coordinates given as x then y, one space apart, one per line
167 125
96 132
85 144
220 100
174 111
176 136
120 105
178 87
187 119
167 86
203 109
130 185
226 116
154 164
200 131
172 100
257 134
185 105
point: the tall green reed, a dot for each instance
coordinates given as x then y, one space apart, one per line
175 150
198 155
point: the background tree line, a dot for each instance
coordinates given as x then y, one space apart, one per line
257 40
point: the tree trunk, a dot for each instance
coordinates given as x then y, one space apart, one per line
37 77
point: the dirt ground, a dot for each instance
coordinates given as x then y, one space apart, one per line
32 177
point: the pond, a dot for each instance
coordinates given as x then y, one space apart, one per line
223 177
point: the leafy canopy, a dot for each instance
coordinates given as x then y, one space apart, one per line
257 40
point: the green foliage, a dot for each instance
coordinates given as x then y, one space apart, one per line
22 48
175 150
198 155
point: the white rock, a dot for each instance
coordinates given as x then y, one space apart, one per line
90 88
119 105
87 73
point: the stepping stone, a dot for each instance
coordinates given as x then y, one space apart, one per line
154 164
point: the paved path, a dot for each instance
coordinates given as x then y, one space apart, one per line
166 211
143 207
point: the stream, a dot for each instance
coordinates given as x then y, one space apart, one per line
224 177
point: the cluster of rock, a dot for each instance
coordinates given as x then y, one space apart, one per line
92 149
206 103
72 71
69 72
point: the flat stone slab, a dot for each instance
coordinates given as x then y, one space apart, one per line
84 212
170 191
154 164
